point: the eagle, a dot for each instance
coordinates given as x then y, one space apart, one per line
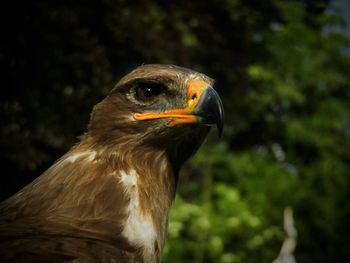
108 198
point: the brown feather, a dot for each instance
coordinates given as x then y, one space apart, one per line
76 211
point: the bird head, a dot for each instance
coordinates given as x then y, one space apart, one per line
161 105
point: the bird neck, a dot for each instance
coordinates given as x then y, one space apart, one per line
154 173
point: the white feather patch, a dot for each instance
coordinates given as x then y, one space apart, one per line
138 229
72 158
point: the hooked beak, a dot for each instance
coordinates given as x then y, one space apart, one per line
204 106
210 109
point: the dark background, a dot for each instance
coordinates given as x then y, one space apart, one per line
283 74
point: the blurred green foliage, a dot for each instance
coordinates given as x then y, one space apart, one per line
284 77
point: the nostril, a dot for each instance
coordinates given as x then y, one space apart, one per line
194 96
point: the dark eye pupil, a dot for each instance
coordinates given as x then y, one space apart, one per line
147 91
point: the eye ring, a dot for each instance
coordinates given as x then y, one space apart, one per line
148 91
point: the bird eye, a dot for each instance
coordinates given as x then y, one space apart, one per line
148 91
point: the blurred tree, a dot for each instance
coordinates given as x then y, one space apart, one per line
285 84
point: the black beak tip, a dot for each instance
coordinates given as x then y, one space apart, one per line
220 119
211 110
